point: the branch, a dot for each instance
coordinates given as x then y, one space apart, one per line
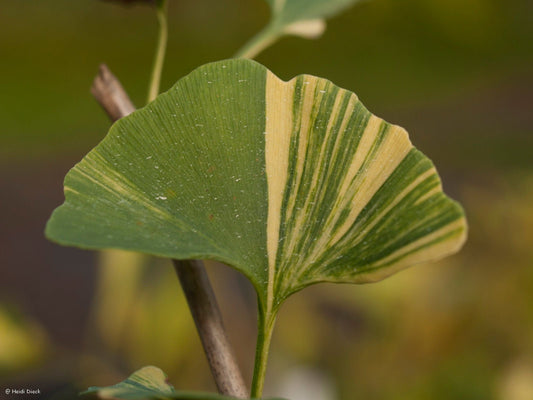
202 302
206 314
108 91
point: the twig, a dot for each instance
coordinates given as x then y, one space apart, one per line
206 314
202 302
108 91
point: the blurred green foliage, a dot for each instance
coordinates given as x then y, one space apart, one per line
394 54
22 341
456 74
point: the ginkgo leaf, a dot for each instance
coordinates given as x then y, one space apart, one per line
291 183
305 18
150 383
147 382
286 12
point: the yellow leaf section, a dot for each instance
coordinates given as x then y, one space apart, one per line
393 151
279 98
376 157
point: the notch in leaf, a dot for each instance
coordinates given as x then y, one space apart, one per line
291 183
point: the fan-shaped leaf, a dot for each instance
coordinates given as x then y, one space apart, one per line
291 183
150 383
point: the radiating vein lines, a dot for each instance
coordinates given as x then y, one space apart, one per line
353 187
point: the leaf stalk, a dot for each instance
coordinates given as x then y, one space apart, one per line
258 43
265 328
159 58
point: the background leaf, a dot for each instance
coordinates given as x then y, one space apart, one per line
305 18
285 12
150 383
291 183
147 382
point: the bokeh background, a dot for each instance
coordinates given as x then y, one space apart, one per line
457 74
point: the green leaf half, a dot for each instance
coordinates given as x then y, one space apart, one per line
292 183
150 383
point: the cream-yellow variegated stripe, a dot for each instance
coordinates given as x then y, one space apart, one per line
320 138
303 125
429 193
452 236
324 239
322 152
390 154
117 185
408 189
367 140
278 126
314 90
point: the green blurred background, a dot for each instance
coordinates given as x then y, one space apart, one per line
457 74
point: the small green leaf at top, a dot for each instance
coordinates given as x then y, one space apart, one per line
291 183
150 383
286 12
304 18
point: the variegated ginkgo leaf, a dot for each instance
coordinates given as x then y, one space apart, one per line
150 383
291 183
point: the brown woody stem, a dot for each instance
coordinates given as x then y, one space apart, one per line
206 314
108 91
